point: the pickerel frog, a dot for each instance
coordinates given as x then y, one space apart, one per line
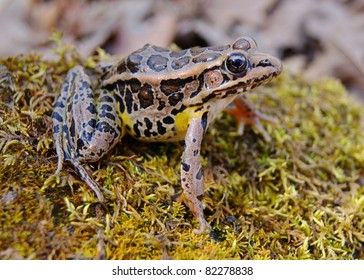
156 94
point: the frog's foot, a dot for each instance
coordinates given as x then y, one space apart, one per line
245 114
84 172
196 208
85 176
204 226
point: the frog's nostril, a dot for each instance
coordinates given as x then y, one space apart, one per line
265 62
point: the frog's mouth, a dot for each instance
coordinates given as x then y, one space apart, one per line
242 86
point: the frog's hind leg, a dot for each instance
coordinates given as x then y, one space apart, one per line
83 131
245 114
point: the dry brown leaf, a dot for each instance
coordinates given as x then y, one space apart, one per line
17 34
341 34
322 38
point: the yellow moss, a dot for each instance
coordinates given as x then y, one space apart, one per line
300 196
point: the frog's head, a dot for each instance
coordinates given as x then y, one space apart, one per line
229 70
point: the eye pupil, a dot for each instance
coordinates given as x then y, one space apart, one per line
236 63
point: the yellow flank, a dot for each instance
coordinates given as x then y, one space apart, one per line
183 119
126 122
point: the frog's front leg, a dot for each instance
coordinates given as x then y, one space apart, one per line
85 127
192 173
245 114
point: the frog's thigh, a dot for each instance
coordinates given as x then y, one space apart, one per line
96 125
192 173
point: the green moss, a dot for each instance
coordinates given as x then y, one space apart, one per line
297 197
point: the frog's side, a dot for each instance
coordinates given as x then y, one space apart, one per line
156 94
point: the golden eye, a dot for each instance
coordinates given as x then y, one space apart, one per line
236 63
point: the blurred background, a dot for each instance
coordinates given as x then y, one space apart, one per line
314 38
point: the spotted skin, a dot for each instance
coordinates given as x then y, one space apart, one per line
156 94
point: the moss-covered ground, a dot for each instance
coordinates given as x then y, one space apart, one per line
300 196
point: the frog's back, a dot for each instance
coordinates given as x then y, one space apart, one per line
153 61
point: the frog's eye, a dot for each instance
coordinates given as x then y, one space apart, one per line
236 63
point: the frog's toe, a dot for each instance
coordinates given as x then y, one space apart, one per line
256 123
85 176
203 228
